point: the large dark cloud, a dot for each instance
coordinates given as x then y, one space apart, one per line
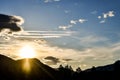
52 60
10 22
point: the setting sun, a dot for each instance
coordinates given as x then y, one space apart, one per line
27 52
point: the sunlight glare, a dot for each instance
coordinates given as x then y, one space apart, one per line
26 66
27 52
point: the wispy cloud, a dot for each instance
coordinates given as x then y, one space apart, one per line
73 21
65 27
47 1
82 20
36 34
99 17
103 21
58 55
64 55
91 40
94 12
67 11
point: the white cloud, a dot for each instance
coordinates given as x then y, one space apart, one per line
108 14
104 16
103 21
42 34
92 39
99 17
82 20
67 11
65 27
47 1
73 22
111 14
56 0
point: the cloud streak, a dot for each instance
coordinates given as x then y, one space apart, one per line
43 34
82 20
73 21
48 1
65 27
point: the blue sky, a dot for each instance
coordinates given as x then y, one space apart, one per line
95 24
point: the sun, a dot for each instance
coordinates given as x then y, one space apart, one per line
27 51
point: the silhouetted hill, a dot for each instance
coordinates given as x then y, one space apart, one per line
107 72
33 69
17 70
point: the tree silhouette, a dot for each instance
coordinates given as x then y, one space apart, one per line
78 70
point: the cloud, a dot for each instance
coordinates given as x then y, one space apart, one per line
67 11
94 12
52 60
11 22
104 16
103 21
54 55
67 59
65 27
56 0
47 1
82 20
73 22
108 14
99 17
91 39
43 34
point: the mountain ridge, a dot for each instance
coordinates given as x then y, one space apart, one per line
13 70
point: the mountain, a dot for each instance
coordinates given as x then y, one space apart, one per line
107 72
34 69
17 70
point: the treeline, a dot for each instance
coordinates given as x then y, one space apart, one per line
108 72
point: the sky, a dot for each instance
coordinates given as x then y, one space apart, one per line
81 33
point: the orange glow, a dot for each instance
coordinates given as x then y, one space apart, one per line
26 66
